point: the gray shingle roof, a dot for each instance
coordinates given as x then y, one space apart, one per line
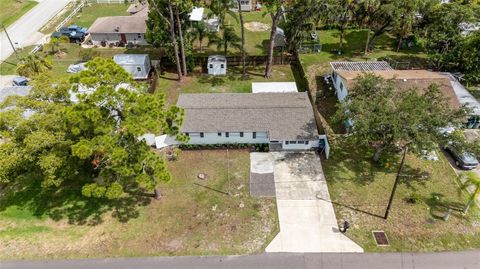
119 24
286 116
361 66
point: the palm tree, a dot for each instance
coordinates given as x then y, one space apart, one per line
470 180
230 39
199 32
32 65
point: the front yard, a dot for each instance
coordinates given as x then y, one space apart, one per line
360 191
12 10
215 216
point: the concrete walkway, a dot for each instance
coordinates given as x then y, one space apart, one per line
307 219
442 260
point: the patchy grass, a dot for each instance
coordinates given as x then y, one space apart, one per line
92 11
12 10
256 42
360 191
49 27
199 82
215 216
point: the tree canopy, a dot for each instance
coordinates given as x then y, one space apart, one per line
87 138
388 118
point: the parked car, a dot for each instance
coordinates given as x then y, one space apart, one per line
463 159
20 81
75 33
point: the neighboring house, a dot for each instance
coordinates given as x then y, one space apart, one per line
345 75
196 14
285 121
213 24
119 30
137 7
245 5
274 87
138 65
15 91
217 65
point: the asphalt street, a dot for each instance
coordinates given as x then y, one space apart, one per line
25 30
442 260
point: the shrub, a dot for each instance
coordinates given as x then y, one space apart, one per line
88 54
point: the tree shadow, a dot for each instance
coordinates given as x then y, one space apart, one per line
440 207
67 202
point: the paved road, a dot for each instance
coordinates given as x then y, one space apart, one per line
445 260
25 30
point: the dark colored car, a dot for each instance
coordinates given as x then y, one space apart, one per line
74 33
463 159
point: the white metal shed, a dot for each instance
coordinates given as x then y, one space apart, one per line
138 65
217 65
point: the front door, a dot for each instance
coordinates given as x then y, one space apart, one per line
123 38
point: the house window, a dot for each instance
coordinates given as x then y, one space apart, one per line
254 135
241 134
222 66
140 36
202 135
139 69
227 134
210 66
341 86
287 142
306 142
187 134
219 134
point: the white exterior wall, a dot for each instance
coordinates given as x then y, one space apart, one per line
311 144
234 138
138 39
340 87
216 69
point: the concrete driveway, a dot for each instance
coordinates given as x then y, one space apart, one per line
306 215
25 30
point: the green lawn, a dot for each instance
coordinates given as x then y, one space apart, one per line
12 10
92 11
49 27
215 216
360 190
199 82
256 42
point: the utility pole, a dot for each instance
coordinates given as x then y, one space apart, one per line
9 40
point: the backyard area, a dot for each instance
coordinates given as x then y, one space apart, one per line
199 82
11 10
214 216
360 191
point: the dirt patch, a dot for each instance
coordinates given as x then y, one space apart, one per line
256 26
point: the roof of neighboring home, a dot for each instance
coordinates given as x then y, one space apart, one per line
286 116
197 14
134 8
407 79
130 59
14 91
119 24
464 96
360 66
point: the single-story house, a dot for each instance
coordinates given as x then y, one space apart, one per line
217 65
138 65
345 74
119 29
196 14
213 24
285 121
274 87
